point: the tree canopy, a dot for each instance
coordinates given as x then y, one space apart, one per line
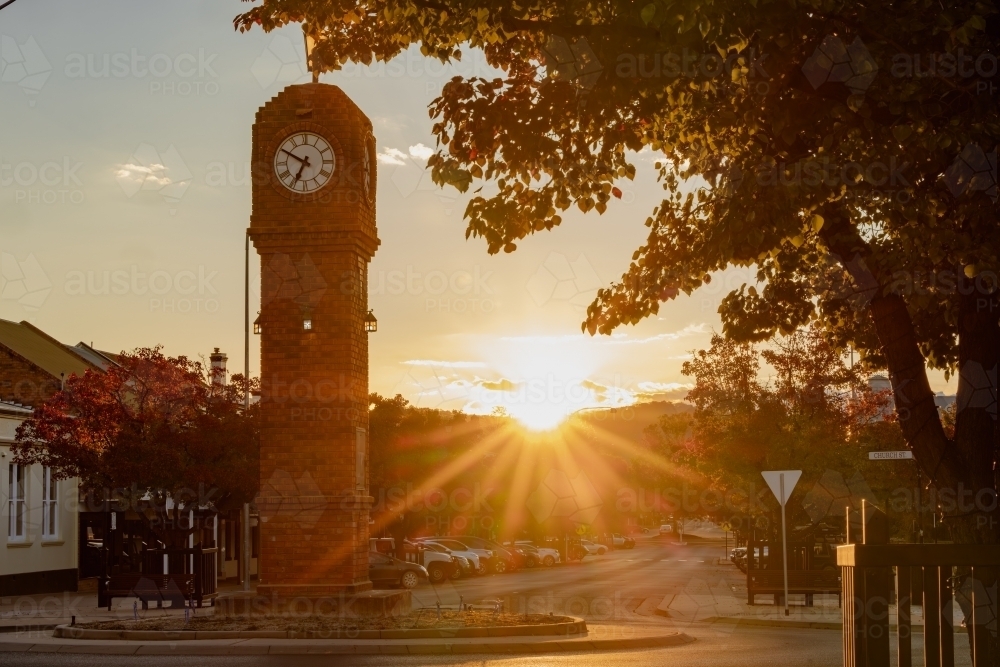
149 429
814 413
845 150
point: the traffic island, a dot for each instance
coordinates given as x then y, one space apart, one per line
516 639
368 604
420 624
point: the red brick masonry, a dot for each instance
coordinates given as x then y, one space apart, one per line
314 252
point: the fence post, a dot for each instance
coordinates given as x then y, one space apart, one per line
903 629
947 617
199 570
932 618
874 530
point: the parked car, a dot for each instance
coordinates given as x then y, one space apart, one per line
621 542
387 570
440 565
478 557
546 555
383 545
465 567
594 549
504 558
530 553
575 550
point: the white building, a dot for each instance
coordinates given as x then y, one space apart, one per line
38 516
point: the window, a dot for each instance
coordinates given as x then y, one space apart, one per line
16 508
50 505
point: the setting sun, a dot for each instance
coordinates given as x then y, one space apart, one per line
545 379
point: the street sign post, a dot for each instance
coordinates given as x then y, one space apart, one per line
782 483
889 456
725 530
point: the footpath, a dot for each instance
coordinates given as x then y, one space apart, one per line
725 602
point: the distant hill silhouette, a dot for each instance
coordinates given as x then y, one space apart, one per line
629 422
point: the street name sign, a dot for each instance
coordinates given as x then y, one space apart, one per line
889 456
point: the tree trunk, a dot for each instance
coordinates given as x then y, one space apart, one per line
915 404
963 470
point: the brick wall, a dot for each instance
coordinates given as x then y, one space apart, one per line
23 382
314 252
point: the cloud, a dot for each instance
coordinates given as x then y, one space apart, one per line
689 330
392 156
141 174
662 391
659 387
421 152
444 364
497 385
600 390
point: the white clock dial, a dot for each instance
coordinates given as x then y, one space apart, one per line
304 162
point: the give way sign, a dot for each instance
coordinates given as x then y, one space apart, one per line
773 479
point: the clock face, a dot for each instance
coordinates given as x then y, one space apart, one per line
304 162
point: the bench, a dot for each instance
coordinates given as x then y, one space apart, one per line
151 588
809 582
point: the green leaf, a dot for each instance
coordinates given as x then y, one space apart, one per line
648 12
901 132
704 25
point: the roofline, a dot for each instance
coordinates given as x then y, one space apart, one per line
52 340
16 408
102 355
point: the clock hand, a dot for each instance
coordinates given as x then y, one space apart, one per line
294 155
305 163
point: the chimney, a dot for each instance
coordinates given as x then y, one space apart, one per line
218 360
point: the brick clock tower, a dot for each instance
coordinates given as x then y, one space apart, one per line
313 225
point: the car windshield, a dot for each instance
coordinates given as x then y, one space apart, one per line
453 545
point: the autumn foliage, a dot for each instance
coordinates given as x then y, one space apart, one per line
151 428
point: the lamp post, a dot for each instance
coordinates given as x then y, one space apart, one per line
245 537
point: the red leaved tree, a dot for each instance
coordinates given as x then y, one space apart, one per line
151 429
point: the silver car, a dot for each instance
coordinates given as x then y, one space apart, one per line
458 549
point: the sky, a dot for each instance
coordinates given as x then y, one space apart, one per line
124 196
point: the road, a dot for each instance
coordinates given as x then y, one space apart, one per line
608 588
620 588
